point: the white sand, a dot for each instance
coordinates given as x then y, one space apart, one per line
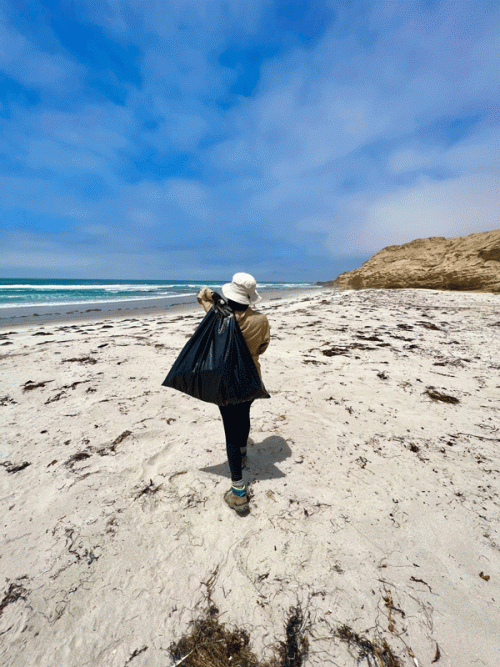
372 505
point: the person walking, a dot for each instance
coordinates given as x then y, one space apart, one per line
240 294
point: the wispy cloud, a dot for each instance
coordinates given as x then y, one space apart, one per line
291 139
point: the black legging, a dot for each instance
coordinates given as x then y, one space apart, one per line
236 420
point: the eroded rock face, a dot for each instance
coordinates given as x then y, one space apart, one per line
469 263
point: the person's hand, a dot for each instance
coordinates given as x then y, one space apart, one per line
205 292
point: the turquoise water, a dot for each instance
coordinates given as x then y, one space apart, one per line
29 292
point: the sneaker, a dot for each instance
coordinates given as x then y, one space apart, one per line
237 503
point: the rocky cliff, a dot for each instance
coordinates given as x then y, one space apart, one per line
470 263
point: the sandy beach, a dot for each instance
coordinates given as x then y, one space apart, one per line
374 481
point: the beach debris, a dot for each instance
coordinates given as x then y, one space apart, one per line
82 360
429 325
121 438
7 400
150 489
104 451
73 547
74 458
437 655
28 386
484 576
391 608
372 651
16 591
136 652
74 384
436 395
344 349
420 581
335 351
13 467
211 643
383 375
56 397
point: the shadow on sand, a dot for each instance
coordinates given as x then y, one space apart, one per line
262 458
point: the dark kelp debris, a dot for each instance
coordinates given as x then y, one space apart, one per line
150 489
7 400
28 386
13 467
82 360
121 437
15 592
375 654
79 456
137 652
111 449
435 395
437 655
211 644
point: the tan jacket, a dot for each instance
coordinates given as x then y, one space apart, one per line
253 325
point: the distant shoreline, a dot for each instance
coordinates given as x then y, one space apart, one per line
30 314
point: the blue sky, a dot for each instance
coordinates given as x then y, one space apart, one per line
195 138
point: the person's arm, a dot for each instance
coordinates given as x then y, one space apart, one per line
205 298
266 337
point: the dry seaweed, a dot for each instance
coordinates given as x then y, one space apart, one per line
429 325
104 451
293 651
338 350
137 652
82 360
79 456
13 467
150 489
28 386
7 400
120 438
437 655
435 395
211 643
14 592
375 654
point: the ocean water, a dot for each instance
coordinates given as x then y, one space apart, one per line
57 292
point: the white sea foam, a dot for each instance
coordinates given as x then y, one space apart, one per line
85 302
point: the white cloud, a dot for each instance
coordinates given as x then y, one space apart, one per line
27 250
439 208
26 63
142 217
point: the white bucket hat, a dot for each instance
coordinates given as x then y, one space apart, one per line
242 289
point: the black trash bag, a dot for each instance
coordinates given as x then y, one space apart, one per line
215 365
